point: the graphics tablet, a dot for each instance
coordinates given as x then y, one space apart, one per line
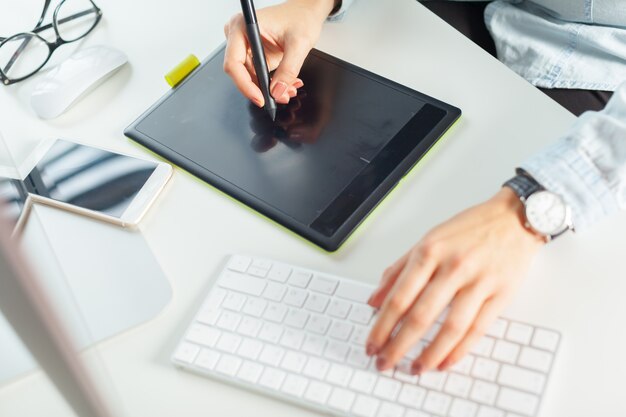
330 157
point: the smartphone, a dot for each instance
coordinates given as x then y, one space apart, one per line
94 182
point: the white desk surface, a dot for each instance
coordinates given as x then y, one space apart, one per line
576 285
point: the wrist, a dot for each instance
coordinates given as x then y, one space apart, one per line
321 8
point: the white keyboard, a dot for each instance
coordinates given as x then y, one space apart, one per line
299 335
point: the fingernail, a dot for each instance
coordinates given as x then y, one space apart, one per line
443 365
416 368
298 84
292 92
381 363
257 102
371 349
279 89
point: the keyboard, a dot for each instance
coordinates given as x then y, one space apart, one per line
299 335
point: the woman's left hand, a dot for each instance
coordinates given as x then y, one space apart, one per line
474 262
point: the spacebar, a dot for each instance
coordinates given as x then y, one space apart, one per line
242 283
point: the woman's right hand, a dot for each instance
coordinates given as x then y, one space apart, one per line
288 31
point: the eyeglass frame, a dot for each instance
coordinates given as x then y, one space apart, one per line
52 46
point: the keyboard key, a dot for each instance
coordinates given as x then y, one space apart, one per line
207 359
458 385
234 301
262 264
388 409
536 359
274 291
336 351
295 297
316 368
433 380
317 303
387 388
464 366
296 318
340 330
271 332
545 339
250 372
483 347
294 385
437 403
519 333
272 378
279 273
203 335
250 348
314 344
255 307
239 263
365 406
275 312
354 291
341 399
411 396
318 324
522 379
505 351
359 335
462 408
299 278
271 355
228 365
257 272
484 392
517 401
229 321
208 315
485 369
339 375
403 371
497 329
293 362
242 283
358 358
339 309
249 326
489 412
292 339
325 285
186 352
416 413
318 392
363 381
228 342
361 314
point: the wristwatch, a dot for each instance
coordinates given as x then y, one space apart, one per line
547 214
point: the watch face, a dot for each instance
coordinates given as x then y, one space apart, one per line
546 213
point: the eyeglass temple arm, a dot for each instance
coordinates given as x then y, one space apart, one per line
24 44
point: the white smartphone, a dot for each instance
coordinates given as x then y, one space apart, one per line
101 184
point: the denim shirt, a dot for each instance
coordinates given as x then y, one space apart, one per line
571 44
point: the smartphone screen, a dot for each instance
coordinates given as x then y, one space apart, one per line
86 177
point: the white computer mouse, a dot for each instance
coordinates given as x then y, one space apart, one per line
66 83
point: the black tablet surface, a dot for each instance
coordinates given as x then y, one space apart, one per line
330 157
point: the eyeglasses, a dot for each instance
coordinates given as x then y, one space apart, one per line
22 55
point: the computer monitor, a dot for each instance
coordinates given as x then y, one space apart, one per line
33 317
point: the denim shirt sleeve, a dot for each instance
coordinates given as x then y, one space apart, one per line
587 166
339 14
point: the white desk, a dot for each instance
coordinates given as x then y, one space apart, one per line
576 285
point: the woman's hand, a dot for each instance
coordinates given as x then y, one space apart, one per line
288 31
474 262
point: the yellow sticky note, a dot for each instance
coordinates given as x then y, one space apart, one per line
182 70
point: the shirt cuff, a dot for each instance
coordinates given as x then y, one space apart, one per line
340 13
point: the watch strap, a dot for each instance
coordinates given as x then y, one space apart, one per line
523 185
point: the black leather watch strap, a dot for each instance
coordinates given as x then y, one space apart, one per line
523 185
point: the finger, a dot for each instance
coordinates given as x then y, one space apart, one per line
292 92
405 290
299 83
287 71
463 312
389 278
235 65
434 298
486 316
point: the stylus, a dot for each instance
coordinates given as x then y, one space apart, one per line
258 55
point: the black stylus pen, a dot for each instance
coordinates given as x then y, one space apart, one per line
258 55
